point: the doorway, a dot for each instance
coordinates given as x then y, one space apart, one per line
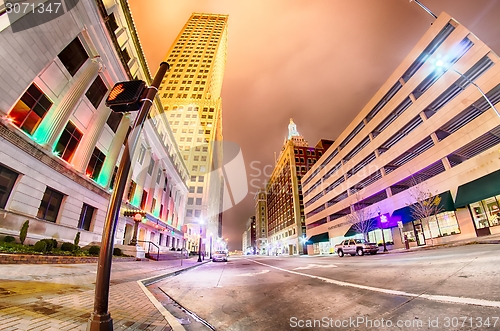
419 234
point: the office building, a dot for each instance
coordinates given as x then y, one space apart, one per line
286 228
428 128
191 98
60 145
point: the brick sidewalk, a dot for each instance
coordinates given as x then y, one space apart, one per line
61 297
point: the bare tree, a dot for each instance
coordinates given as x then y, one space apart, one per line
426 204
361 218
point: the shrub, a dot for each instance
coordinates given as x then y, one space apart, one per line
9 239
117 251
77 239
178 249
40 246
24 231
54 243
172 249
67 247
49 244
94 250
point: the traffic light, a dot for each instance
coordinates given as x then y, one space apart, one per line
126 96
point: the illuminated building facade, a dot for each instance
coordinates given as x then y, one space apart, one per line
191 98
60 145
285 211
426 127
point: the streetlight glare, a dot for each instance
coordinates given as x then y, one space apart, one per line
439 63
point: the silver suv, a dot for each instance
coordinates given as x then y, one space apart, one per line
355 247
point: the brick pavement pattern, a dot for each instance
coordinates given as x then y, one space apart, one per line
61 297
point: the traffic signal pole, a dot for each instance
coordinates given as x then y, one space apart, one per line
100 319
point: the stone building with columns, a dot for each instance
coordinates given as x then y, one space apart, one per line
60 145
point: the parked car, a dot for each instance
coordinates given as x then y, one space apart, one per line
219 256
355 247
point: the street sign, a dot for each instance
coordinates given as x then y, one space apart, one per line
126 96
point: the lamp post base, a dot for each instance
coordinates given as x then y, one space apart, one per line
100 322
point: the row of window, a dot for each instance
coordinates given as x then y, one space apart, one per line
427 52
50 204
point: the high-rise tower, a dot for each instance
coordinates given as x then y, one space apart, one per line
191 97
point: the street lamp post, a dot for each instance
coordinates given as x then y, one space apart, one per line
199 247
441 64
381 218
210 246
137 220
100 319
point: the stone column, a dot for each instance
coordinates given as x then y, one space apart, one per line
89 140
55 121
109 164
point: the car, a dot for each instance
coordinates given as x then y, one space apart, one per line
219 256
355 247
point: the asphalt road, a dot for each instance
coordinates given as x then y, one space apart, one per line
452 288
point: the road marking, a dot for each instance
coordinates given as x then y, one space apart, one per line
312 266
432 297
254 273
171 319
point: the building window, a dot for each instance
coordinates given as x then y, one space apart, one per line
86 216
112 22
131 190
142 153
199 189
7 181
191 189
190 201
30 109
153 205
197 213
158 176
73 56
96 92
114 120
198 201
50 204
189 212
95 165
125 55
144 199
151 166
201 178
113 178
68 142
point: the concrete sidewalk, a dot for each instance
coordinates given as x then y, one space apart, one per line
61 296
490 239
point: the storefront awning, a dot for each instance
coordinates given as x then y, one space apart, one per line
354 230
323 237
405 214
479 189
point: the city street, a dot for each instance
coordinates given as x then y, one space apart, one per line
451 289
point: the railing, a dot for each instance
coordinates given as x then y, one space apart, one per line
149 248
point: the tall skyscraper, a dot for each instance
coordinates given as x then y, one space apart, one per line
191 97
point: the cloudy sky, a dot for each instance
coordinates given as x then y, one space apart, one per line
318 61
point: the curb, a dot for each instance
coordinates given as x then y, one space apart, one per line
143 283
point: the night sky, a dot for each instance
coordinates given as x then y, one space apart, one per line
316 61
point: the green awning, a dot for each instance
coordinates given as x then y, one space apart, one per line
354 231
405 214
323 237
479 189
